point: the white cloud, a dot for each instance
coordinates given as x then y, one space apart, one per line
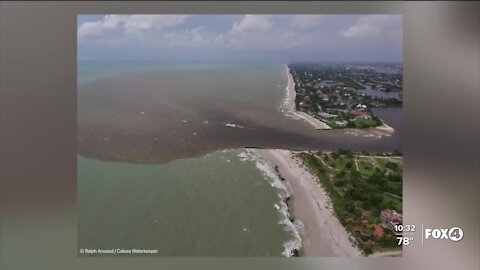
144 22
263 32
372 26
288 34
97 28
250 32
252 24
128 24
307 21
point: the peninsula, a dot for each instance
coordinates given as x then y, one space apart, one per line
343 95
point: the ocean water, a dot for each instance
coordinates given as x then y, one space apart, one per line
161 163
159 115
222 204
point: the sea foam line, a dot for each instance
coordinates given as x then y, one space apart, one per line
233 125
296 227
288 102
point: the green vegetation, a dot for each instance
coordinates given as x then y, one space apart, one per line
352 122
349 83
364 123
360 187
331 123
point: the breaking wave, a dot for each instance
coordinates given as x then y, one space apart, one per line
269 173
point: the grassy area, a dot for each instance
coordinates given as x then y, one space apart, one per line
354 123
330 123
350 83
391 202
364 123
359 195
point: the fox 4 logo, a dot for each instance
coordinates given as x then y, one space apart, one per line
454 234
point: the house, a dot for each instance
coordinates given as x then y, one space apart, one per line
361 107
326 115
378 231
361 115
322 95
341 123
390 218
304 105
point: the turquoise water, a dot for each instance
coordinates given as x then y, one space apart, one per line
226 203
89 70
221 204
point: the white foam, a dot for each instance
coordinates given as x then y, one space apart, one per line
296 228
233 125
289 246
246 155
269 173
288 103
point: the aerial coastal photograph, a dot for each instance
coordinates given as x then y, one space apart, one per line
239 135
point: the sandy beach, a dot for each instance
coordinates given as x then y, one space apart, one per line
381 131
324 235
385 129
290 105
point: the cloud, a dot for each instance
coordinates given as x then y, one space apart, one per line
252 24
97 29
307 21
128 24
280 35
263 33
368 26
136 23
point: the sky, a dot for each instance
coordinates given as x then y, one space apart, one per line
286 38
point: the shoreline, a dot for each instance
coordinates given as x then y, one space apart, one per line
385 128
290 105
324 235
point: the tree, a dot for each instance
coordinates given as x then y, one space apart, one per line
391 165
394 177
375 178
349 164
349 207
339 183
355 174
366 205
341 174
376 199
